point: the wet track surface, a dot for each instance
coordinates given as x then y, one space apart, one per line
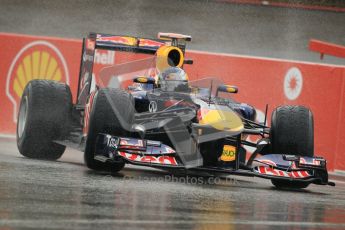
65 194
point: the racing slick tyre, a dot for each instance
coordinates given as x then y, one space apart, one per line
289 184
44 115
292 132
111 109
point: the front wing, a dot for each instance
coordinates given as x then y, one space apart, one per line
156 154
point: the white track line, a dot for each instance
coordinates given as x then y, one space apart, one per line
7 136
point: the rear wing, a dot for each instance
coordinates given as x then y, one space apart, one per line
141 45
120 43
129 44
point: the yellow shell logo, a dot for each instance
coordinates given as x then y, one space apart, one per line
38 65
37 60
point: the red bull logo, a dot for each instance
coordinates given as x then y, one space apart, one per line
36 60
150 43
118 39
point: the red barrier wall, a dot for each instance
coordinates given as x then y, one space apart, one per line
24 57
340 144
261 81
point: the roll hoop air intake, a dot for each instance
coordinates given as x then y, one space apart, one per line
169 56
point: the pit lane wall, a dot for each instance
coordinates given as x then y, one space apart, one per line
261 81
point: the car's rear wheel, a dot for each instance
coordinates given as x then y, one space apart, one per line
44 115
292 132
112 110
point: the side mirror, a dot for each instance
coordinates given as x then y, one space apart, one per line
144 80
226 89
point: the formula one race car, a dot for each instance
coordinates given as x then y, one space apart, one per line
163 120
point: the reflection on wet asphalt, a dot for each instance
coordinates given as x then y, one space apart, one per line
64 195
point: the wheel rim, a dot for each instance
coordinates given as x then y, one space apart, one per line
23 113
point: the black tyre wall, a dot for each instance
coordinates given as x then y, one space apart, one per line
49 108
285 184
292 131
112 109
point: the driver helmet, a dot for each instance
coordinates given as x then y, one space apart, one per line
173 79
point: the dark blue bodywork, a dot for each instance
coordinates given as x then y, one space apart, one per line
142 103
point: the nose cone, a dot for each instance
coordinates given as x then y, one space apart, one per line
222 120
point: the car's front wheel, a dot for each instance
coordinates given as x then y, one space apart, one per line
112 112
292 132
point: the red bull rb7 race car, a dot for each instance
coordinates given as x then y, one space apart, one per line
147 112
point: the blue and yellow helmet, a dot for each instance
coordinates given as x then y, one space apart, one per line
173 79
